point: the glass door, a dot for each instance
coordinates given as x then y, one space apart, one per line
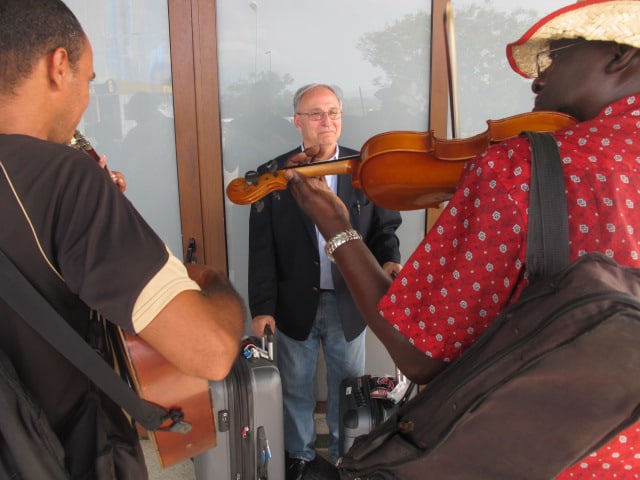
375 52
130 115
488 87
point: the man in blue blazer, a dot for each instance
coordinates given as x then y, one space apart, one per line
296 290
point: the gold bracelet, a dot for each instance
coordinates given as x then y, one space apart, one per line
340 239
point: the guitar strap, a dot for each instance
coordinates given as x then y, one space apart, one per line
23 297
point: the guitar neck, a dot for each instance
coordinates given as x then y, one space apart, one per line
79 142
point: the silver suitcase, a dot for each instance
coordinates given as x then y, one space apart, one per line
249 425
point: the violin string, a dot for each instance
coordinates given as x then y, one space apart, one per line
334 160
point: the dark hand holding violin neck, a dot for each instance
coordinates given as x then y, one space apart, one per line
325 208
301 158
406 170
313 154
320 153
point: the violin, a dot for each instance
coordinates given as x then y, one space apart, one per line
405 170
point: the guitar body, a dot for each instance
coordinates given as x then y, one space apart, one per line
158 381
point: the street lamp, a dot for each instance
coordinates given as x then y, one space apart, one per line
254 6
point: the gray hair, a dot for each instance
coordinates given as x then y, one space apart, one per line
302 91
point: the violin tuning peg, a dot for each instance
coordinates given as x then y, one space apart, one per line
272 166
251 177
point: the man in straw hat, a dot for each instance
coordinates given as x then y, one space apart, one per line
584 61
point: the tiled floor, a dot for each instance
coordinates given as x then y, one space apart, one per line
181 471
321 469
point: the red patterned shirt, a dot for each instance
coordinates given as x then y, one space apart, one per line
471 263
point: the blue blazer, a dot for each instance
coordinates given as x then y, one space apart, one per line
284 263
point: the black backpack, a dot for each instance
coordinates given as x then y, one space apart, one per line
25 429
554 377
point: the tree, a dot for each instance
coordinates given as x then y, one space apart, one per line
402 51
482 33
265 93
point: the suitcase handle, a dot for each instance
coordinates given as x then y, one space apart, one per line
268 333
269 341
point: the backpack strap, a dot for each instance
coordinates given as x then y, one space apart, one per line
548 230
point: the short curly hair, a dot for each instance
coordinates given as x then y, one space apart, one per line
31 29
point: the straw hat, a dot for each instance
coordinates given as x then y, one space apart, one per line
598 20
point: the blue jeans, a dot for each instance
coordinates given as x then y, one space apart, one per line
297 364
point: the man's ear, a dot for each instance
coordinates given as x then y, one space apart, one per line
57 67
296 121
623 57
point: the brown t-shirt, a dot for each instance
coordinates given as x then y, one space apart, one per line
81 243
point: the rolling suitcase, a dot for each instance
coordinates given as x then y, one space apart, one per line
366 402
249 425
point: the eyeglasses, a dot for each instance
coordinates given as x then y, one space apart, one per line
317 115
545 58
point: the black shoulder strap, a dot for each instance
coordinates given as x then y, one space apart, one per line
27 302
548 230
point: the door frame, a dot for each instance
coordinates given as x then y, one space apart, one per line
194 60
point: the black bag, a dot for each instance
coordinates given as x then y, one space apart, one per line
551 380
101 444
29 449
98 442
365 403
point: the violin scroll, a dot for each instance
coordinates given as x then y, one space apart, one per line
244 191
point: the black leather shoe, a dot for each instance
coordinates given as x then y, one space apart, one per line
296 468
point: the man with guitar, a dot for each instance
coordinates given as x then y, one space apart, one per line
72 233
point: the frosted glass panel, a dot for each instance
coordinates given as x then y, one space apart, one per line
130 116
375 51
488 87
